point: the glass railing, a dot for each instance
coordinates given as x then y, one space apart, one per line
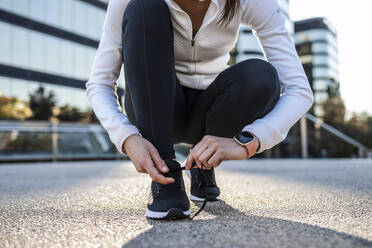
29 141
313 138
38 141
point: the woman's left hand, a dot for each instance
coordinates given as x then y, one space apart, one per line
212 150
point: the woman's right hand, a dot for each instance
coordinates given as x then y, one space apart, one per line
146 158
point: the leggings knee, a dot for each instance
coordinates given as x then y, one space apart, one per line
152 9
256 76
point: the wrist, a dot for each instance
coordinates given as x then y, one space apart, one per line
124 146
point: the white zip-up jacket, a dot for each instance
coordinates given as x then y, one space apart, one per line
199 61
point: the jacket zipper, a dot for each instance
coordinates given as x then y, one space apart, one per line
193 53
193 44
193 39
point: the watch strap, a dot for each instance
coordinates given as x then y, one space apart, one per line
250 148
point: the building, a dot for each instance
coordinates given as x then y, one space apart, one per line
247 45
53 43
316 44
50 44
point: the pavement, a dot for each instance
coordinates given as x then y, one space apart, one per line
265 203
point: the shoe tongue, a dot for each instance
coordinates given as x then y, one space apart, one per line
172 165
207 177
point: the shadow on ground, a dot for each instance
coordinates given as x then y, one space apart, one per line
228 227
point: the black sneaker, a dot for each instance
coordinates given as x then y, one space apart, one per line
203 185
169 201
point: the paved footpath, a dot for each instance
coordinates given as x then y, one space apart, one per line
265 203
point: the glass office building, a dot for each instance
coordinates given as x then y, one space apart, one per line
247 45
53 44
50 44
316 44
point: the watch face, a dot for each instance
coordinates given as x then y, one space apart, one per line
244 137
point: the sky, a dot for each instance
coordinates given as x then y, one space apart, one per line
353 21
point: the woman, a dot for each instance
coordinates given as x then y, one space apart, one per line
179 88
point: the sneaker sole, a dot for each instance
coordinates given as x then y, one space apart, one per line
195 198
173 213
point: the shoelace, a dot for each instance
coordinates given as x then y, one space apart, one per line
207 198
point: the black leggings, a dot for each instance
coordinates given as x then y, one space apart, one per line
166 112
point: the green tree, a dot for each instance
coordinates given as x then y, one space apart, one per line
358 127
334 115
68 113
42 104
91 117
12 108
334 111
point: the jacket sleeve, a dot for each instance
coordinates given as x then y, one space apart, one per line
102 84
268 25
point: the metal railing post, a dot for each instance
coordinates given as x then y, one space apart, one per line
303 131
54 141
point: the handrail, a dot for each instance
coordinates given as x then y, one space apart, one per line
55 128
48 127
339 134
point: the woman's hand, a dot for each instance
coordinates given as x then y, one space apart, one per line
146 158
212 150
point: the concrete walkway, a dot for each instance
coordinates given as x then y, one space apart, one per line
265 203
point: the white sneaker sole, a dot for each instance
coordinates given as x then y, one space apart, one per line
195 198
173 213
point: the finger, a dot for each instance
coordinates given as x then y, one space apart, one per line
206 155
159 162
157 176
189 161
192 161
193 158
197 155
199 144
195 146
215 160
139 169
201 148
198 163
